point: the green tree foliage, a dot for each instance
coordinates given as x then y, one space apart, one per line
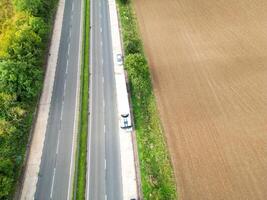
24 38
133 46
6 11
137 69
24 31
38 8
20 78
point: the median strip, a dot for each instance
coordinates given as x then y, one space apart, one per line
80 179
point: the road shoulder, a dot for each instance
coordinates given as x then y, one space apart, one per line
129 179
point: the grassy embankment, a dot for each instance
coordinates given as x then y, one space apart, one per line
83 123
156 171
24 34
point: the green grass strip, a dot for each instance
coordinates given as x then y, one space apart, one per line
158 182
83 125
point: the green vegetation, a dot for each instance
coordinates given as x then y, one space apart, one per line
83 127
156 170
24 30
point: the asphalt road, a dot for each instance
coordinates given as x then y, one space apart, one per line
104 179
54 181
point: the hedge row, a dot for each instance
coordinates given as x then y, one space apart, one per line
156 171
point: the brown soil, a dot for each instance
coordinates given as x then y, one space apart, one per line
208 60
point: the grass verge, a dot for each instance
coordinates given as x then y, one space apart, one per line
83 122
156 170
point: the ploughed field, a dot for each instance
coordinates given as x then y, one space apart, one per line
208 60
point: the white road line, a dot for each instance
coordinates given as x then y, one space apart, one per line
106 197
104 128
53 181
103 80
101 30
65 85
90 109
68 49
58 140
73 139
105 164
61 114
69 197
72 6
103 103
102 61
101 43
67 68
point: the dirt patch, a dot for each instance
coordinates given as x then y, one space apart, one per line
208 61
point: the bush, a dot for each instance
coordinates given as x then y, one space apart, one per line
138 72
133 46
124 1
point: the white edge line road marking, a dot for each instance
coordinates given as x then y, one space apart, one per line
53 181
90 104
76 105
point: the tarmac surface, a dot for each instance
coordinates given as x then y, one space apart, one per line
104 180
56 169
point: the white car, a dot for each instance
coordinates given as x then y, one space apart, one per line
119 59
125 122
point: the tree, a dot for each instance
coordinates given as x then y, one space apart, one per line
139 75
5 186
38 8
24 38
20 78
6 11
